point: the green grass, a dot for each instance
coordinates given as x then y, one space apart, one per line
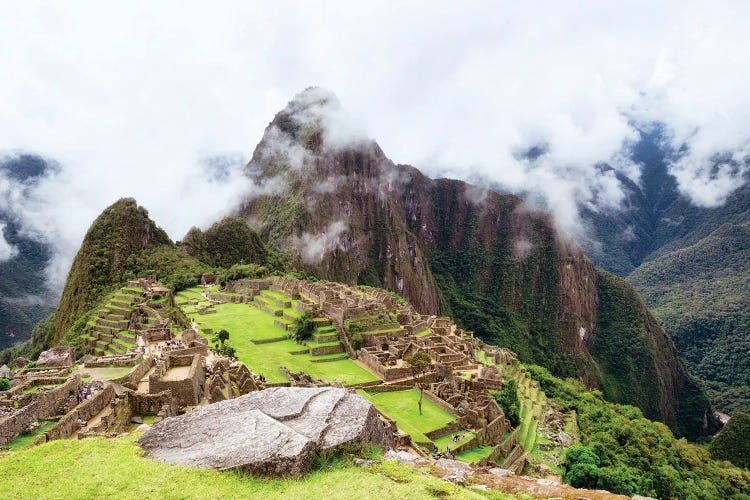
23 440
474 455
114 468
107 372
447 440
401 406
246 323
422 333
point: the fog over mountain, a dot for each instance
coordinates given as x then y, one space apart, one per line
167 104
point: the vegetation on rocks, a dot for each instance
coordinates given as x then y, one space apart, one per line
699 294
733 442
121 230
226 243
636 455
507 400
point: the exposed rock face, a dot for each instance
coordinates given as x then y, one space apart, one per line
274 432
57 356
4 371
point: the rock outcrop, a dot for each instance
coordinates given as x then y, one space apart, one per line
57 356
274 432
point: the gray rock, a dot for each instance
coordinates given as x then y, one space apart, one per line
271 432
402 456
136 419
4 371
57 356
456 477
142 428
496 471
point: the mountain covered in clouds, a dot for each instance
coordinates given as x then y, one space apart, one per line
24 295
690 265
337 207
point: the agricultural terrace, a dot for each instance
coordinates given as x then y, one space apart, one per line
262 344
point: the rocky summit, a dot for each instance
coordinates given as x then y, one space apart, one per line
271 432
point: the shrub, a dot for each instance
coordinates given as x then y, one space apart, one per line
305 328
507 399
357 341
4 384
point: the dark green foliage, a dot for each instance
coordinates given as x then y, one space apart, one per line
633 352
733 442
700 295
583 475
4 384
304 329
357 341
507 399
226 243
172 268
636 455
120 231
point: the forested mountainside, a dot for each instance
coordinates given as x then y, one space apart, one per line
701 292
690 265
347 213
24 295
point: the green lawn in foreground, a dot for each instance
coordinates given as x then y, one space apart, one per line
402 407
23 440
114 468
246 323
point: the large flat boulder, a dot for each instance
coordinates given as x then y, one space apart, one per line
273 432
57 356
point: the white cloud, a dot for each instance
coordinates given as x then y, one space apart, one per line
313 247
7 251
131 98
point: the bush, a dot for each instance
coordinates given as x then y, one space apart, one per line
357 341
507 399
583 475
733 442
4 384
305 328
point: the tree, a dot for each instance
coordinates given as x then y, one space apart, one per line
733 442
581 467
219 339
305 328
419 363
4 384
507 399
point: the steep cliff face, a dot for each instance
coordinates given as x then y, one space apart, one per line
343 211
122 230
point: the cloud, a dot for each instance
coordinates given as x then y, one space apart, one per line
132 99
313 247
7 251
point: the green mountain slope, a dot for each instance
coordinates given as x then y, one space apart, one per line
700 293
121 230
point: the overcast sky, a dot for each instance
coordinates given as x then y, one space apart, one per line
134 98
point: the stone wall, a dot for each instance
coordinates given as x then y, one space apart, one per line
49 401
85 411
134 376
187 391
152 404
12 426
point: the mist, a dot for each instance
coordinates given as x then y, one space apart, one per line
166 102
